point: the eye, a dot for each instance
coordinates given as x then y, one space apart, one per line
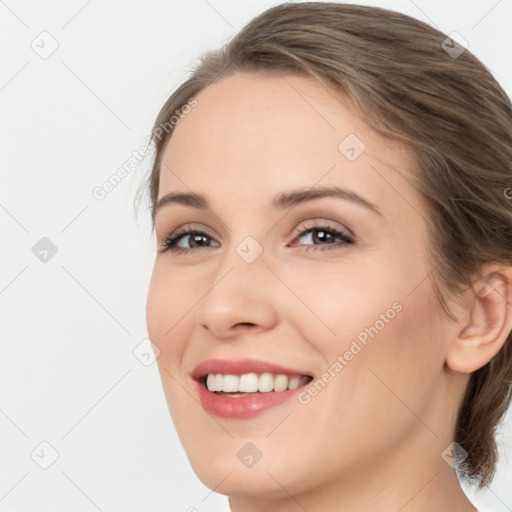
323 235
195 237
318 235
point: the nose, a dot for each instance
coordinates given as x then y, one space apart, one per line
241 296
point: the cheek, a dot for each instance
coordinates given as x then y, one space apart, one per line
155 306
398 370
168 304
398 325
386 387
337 302
378 318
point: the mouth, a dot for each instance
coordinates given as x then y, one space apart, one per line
251 383
246 388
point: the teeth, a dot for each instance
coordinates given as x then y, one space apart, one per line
211 381
218 382
249 383
252 382
280 382
266 383
294 382
230 383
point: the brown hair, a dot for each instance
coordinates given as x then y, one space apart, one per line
409 82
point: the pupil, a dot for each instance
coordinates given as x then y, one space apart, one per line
321 238
195 238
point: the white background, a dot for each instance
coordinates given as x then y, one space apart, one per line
69 326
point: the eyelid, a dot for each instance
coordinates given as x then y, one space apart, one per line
188 230
322 222
182 229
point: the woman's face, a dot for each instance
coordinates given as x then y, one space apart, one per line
312 285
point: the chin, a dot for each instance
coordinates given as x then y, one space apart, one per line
243 481
225 471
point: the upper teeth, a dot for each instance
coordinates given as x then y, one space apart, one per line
252 382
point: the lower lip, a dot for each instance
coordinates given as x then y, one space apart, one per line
242 407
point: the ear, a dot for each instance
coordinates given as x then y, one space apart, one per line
490 321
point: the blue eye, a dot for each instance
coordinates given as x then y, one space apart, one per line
325 239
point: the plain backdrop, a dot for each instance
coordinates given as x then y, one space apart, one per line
81 83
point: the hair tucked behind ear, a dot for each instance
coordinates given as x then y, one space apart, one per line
448 110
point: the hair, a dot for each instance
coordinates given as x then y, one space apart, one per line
415 86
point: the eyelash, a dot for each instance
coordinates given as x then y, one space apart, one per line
169 244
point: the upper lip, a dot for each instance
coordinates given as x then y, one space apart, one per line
240 367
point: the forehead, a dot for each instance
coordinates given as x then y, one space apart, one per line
253 135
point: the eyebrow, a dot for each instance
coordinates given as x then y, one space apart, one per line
281 201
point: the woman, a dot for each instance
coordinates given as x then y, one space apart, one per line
331 296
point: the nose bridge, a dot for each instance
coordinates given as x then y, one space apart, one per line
245 254
240 291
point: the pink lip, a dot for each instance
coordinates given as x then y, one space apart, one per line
241 366
244 407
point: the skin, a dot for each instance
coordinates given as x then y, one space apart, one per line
372 439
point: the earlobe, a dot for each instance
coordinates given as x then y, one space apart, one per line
489 325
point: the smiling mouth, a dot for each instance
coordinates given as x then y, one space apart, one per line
242 389
250 384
